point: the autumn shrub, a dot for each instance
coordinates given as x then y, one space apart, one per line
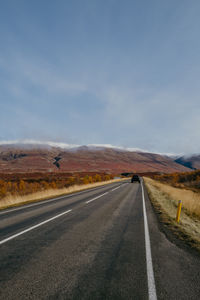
190 180
9 185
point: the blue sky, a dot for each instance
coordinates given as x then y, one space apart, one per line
115 72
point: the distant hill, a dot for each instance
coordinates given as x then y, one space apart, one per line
192 162
15 159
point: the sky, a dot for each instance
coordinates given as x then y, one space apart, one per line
119 72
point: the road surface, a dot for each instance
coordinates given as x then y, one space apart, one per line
93 245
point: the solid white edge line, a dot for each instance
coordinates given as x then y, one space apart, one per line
96 198
150 273
50 200
33 227
46 201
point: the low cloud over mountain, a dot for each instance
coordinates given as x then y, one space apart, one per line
36 156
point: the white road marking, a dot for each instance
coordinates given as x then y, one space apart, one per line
33 227
96 198
31 205
116 188
47 201
150 273
121 185
51 219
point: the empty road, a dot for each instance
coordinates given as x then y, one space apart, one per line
103 243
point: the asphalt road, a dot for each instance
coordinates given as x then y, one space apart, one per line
93 245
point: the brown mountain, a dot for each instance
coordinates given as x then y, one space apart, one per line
83 159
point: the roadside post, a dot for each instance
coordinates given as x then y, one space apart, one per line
178 211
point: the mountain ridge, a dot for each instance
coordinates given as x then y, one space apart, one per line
83 159
29 144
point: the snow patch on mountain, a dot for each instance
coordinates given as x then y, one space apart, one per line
34 143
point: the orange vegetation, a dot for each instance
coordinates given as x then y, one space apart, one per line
189 180
23 184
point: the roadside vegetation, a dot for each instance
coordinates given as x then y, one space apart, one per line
165 191
187 180
21 188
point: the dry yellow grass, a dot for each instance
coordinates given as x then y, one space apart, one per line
19 200
166 198
190 199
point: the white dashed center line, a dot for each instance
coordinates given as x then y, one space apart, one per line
115 188
96 198
51 219
33 227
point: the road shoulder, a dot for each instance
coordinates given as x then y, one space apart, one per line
176 269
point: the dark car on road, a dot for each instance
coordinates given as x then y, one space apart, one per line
135 178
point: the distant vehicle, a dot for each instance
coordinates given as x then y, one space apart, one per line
135 178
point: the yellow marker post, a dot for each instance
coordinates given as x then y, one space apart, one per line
178 211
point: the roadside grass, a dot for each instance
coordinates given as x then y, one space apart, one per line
17 200
165 200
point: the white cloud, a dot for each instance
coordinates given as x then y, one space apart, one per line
61 145
24 73
39 143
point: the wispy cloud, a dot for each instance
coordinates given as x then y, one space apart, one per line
66 146
90 77
39 75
